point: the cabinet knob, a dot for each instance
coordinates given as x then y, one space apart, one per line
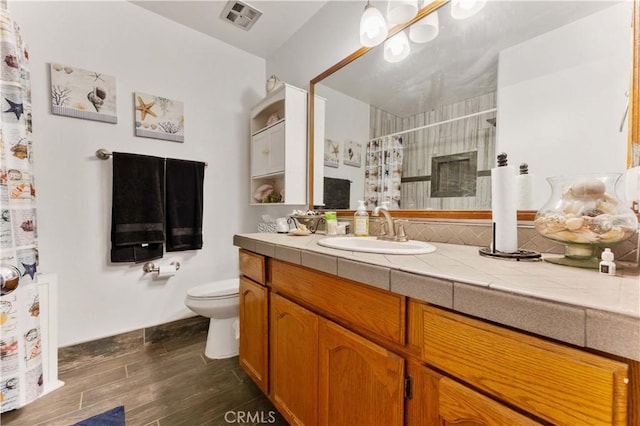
265 152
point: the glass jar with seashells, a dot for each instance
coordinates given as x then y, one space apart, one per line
586 215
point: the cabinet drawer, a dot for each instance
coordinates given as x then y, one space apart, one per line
253 266
457 404
556 383
345 301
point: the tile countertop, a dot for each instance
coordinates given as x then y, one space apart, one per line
573 305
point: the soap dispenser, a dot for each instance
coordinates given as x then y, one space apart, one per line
361 221
607 266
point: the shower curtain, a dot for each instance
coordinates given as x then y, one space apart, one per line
383 172
21 379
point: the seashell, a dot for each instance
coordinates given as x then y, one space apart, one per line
615 234
145 125
607 204
262 191
97 97
154 126
57 67
600 225
68 70
576 237
592 212
27 226
11 60
574 223
138 124
587 188
20 151
573 207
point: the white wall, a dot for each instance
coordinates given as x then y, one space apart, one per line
145 52
328 37
346 119
564 93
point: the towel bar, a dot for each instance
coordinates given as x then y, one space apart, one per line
104 154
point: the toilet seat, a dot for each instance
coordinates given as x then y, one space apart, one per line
216 290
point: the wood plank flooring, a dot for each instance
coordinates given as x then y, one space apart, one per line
166 383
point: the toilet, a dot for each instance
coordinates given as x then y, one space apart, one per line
219 301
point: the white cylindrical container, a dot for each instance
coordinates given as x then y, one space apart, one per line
504 207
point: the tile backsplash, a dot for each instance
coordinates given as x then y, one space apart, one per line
478 233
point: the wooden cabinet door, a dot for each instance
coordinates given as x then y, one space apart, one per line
254 332
461 406
361 383
294 361
421 408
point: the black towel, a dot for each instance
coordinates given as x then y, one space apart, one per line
137 226
185 184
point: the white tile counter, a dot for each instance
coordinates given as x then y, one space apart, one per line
572 305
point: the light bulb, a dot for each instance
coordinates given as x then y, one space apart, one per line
397 48
463 9
373 29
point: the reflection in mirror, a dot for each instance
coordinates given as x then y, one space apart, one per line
545 82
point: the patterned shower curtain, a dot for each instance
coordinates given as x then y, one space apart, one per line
383 172
21 379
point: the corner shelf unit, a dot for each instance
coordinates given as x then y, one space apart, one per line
279 145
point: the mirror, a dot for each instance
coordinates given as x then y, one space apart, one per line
546 82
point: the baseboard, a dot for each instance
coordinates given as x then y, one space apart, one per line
131 341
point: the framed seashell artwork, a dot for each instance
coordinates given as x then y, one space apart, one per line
158 117
80 93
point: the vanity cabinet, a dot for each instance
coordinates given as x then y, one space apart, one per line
253 319
341 352
279 144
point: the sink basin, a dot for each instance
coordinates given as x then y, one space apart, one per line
373 245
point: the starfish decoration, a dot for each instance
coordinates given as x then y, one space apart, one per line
96 76
15 108
29 270
335 150
145 108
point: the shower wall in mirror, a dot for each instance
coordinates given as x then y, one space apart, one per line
543 81
446 162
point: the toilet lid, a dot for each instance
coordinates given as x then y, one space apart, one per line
216 289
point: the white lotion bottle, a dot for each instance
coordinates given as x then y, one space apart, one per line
607 266
361 221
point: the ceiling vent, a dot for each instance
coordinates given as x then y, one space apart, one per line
240 14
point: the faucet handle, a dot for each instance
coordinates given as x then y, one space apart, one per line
383 229
400 233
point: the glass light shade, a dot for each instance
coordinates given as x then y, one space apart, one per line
397 47
463 9
400 11
373 29
425 29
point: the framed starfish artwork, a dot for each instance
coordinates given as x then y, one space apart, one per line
80 93
331 153
158 117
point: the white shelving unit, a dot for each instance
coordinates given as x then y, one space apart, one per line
279 148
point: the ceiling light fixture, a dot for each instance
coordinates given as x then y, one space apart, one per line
400 11
463 9
425 29
373 29
397 48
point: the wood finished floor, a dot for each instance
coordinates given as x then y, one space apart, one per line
168 383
